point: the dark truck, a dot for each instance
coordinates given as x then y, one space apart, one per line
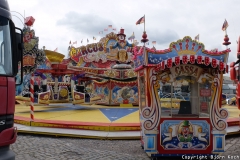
10 59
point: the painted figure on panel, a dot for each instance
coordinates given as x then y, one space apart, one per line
185 134
122 46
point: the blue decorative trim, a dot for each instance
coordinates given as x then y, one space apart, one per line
219 142
150 143
218 150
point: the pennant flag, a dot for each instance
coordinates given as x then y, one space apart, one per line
214 50
141 20
94 38
114 29
225 25
132 37
154 42
70 42
109 26
197 38
87 40
56 50
135 42
81 40
105 29
101 32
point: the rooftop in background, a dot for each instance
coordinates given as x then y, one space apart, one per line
227 80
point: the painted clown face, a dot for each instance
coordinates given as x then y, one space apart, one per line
27 37
121 37
185 131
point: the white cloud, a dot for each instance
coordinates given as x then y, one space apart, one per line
58 22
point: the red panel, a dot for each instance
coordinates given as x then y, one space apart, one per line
11 95
162 150
3 103
238 95
123 84
3 81
233 74
232 64
59 66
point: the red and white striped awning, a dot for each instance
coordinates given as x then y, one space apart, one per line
192 59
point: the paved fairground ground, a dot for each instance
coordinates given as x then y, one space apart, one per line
35 147
89 133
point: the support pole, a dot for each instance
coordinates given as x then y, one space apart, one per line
144 22
32 97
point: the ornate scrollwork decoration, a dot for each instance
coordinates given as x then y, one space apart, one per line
218 115
152 112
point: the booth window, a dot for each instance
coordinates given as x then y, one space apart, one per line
183 98
205 95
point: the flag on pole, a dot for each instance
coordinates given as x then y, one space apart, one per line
141 20
154 42
105 29
74 42
225 25
94 38
197 37
56 50
109 26
87 40
70 42
132 37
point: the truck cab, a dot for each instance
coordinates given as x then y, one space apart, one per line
10 59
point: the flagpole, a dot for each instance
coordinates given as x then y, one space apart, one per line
144 22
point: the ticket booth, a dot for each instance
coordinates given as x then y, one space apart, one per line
187 118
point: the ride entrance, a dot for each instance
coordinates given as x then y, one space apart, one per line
180 99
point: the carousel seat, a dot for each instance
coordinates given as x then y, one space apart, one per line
185 107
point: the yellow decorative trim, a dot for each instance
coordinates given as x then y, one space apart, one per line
126 105
110 36
130 73
22 98
59 101
78 101
111 73
124 82
43 101
104 82
54 56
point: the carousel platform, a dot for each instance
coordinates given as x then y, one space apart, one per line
91 121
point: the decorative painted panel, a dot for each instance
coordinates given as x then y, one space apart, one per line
185 134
